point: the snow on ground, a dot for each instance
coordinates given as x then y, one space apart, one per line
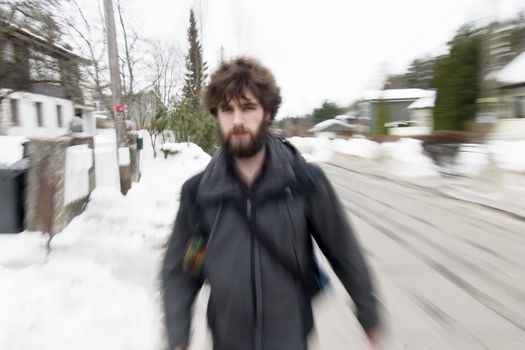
11 149
509 155
313 149
359 147
405 158
402 158
98 289
472 160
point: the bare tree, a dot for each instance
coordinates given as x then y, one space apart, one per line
90 41
88 33
167 71
128 61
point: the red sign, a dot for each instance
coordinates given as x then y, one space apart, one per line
119 108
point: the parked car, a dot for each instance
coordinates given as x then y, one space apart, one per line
401 123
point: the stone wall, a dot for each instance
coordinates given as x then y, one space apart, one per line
44 203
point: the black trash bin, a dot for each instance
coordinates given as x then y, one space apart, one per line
12 193
140 143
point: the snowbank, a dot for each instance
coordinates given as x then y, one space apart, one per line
405 158
402 158
313 149
186 150
72 304
98 289
472 160
359 147
509 155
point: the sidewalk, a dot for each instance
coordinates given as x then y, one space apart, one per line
498 190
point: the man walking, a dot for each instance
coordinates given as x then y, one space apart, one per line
245 226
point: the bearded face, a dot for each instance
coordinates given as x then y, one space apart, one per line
242 143
243 126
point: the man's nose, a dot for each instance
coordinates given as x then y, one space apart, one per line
238 118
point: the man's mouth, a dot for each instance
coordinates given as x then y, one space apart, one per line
239 134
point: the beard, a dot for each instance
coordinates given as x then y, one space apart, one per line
244 148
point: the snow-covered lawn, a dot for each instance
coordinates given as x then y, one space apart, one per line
98 289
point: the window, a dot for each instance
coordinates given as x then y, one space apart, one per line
39 115
60 119
15 120
519 106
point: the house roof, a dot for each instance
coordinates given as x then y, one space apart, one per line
344 117
325 124
423 102
397 94
514 72
26 35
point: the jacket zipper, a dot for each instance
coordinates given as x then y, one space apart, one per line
257 341
249 209
252 263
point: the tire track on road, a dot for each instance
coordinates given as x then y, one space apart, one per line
432 192
488 301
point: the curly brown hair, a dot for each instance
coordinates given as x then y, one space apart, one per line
233 78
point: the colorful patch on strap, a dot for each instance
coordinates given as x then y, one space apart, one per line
194 256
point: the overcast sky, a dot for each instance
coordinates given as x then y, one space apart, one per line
319 49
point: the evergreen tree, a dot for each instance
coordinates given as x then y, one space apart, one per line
190 120
194 124
328 110
457 81
195 65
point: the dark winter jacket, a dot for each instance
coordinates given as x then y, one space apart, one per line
255 303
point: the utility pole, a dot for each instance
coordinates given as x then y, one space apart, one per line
116 87
116 99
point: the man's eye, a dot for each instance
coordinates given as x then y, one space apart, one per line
249 108
226 109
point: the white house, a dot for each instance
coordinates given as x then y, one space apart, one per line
39 86
511 101
29 114
410 111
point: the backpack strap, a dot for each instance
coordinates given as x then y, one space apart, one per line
310 283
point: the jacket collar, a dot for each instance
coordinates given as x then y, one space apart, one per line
219 183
